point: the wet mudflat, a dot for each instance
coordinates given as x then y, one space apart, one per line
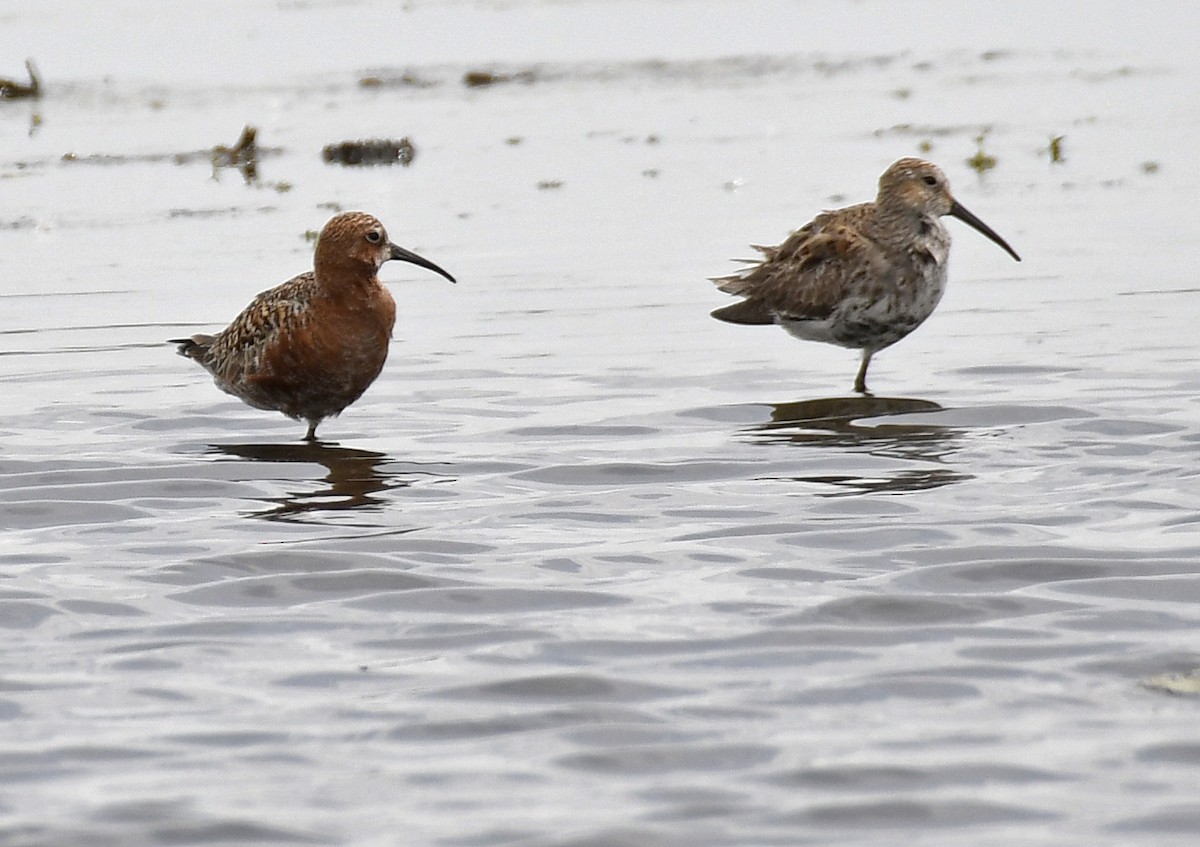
585 566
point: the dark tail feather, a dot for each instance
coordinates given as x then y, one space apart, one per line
194 347
752 312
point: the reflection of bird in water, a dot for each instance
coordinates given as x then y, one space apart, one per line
833 422
311 346
861 277
354 476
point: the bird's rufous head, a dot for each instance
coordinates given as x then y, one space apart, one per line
358 242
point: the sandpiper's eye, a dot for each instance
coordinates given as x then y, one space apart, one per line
374 236
930 180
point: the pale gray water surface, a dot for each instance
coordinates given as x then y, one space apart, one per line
586 567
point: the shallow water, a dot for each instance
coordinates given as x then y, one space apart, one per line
586 567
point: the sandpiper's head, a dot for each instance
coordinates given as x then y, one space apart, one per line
920 187
358 241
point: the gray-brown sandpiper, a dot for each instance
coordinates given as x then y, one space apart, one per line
861 277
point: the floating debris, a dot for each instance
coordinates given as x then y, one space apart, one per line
927 130
482 79
546 184
245 151
10 89
375 151
408 79
1149 167
690 72
1056 149
245 148
981 162
243 155
478 79
1182 684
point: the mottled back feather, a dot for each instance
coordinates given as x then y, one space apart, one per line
241 351
814 270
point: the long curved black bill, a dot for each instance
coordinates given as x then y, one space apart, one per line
398 252
957 210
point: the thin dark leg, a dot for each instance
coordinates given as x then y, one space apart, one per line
860 381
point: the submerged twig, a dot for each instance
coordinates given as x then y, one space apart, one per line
243 155
10 89
1056 150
